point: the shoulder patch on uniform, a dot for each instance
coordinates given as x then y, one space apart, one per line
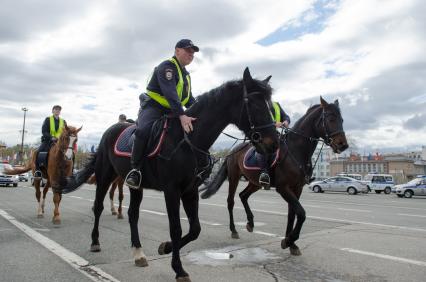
168 74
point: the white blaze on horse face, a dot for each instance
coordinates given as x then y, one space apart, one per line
68 153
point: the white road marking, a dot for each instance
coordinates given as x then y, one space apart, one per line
204 222
399 259
414 215
77 262
368 205
354 210
267 234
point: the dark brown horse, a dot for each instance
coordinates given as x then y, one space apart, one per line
60 164
292 171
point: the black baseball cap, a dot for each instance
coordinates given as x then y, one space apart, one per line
122 116
186 43
56 107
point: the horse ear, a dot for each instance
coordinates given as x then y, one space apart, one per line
66 127
78 130
247 78
336 102
323 102
266 80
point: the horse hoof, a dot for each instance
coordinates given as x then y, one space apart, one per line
141 262
40 216
120 216
183 279
235 235
113 212
249 228
295 251
95 248
165 248
284 244
56 221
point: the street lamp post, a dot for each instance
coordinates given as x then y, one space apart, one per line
23 133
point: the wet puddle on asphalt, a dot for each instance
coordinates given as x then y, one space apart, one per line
229 255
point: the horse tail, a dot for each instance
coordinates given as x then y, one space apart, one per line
18 170
75 181
213 186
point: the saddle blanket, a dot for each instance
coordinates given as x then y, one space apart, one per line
250 160
123 145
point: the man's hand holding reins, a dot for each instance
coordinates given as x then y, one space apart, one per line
186 123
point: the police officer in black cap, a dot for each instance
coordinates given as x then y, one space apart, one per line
51 130
168 91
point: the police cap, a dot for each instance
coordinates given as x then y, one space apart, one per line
186 43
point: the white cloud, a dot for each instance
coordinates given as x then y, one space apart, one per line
369 53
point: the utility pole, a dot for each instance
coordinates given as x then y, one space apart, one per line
23 134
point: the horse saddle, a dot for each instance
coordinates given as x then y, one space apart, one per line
250 159
124 143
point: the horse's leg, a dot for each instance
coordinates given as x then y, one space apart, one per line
233 183
244 195
295 209
45 190
133 213
120 199
172 196
57 196
104 177
38 194
111 197
191 205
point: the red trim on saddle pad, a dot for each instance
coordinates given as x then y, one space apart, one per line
277 155
119 153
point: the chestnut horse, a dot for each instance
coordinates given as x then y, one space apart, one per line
59 165
291 172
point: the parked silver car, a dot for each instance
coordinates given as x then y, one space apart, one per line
6 179
339 184
416 187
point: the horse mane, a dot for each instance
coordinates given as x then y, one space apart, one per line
310 111
225 93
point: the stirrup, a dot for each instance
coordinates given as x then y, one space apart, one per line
37 174
140 178
264 179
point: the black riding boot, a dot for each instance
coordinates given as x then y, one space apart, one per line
41 159
264 178
134 177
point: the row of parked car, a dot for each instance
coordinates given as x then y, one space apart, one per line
13 180
353 184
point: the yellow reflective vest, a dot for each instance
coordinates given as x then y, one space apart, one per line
179 89
53 131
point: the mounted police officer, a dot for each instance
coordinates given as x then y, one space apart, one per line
51 130
281 119
168 90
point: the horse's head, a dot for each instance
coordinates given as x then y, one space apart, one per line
330 126
67 140
255 116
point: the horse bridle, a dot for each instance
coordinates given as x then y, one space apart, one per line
253 135
328 136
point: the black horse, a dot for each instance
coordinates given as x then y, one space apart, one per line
291 172
178 171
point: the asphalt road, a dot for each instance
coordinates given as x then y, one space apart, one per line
345 238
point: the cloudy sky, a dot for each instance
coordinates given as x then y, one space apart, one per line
94 58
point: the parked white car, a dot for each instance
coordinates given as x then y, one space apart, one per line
415 187
339 184
379 183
